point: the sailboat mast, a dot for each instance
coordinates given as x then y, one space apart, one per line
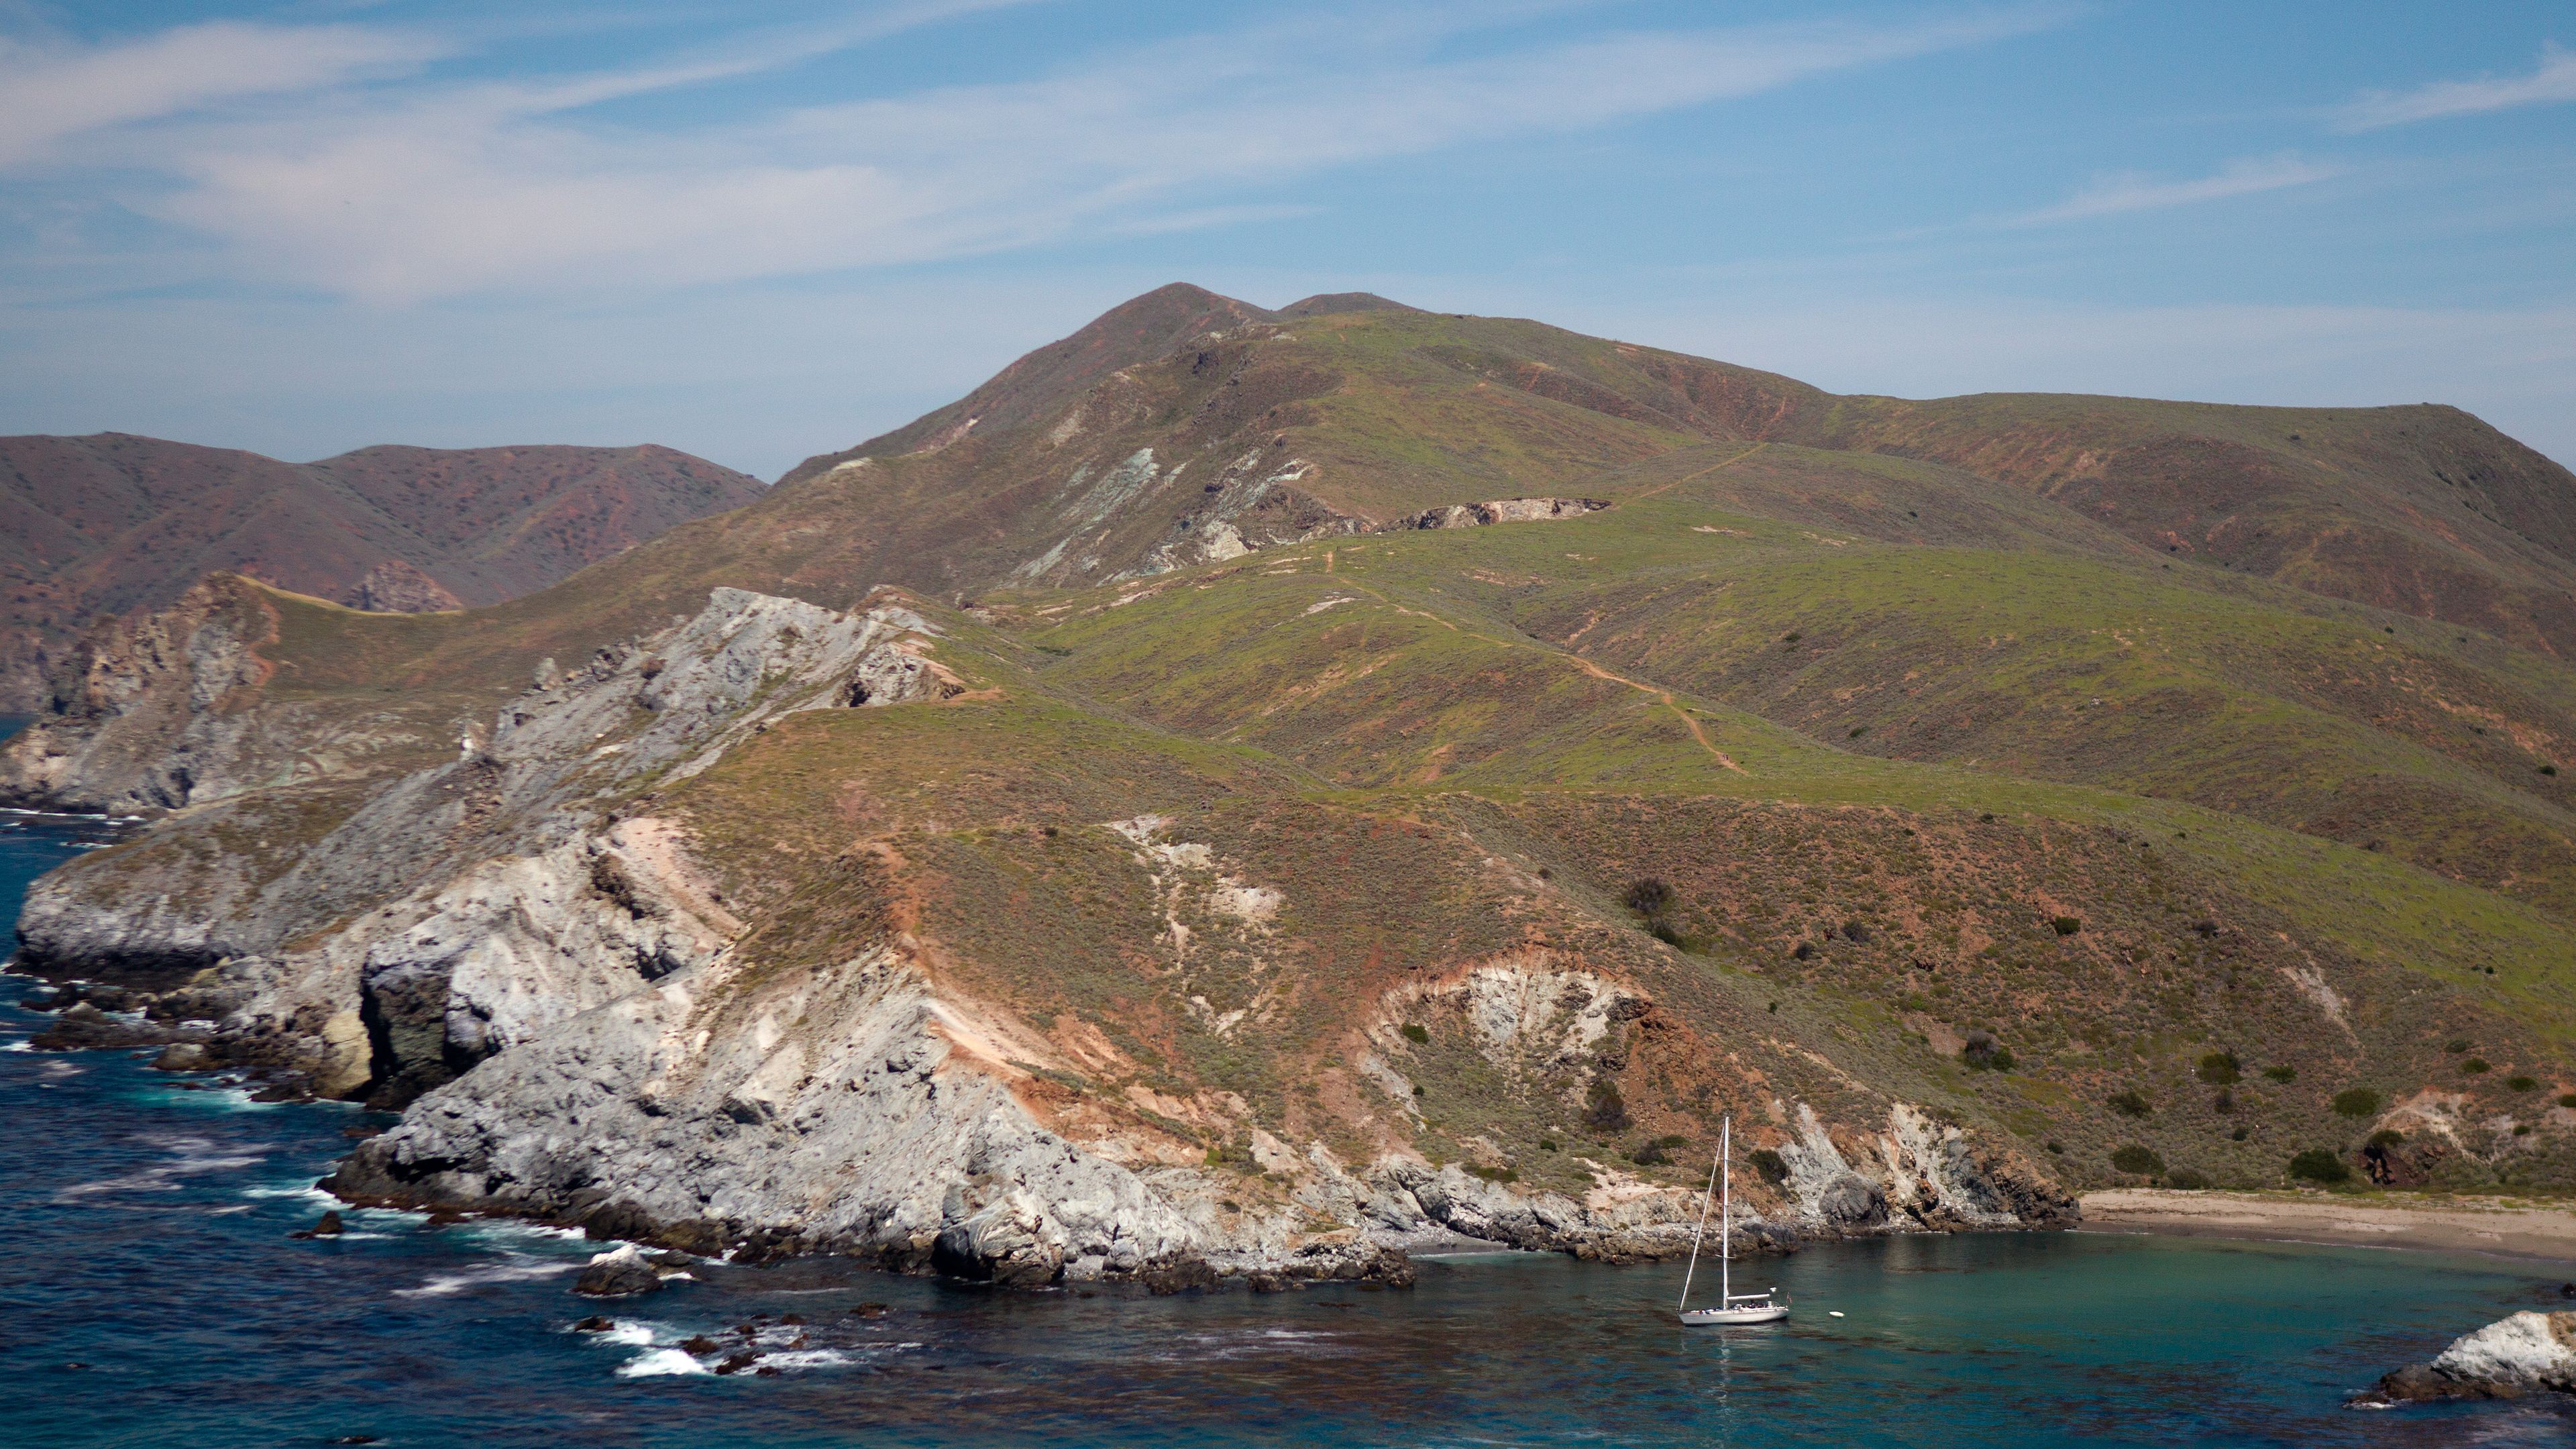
1697 1233
1726 1214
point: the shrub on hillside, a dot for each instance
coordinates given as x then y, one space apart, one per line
2474 1065
1648 896
2356 1102
2184 1177
2282 1074
1416 1034
2318 1165
2521 1084
1773 1167
1983 1053
2066 925
2220 1068
1606 1110
2137 1160
2130 1103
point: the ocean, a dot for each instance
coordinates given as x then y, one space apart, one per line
150 1295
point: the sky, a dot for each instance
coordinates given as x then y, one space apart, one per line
760 232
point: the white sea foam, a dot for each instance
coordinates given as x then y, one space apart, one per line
190 1156
20 1045
661 1362
305 1190
804 1358
632 1335
516 1270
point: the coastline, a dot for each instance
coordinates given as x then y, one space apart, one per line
2515 1227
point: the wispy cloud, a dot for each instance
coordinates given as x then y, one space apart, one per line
49 93
2114 194
2554 82
448 188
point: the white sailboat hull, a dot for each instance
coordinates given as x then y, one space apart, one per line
1730 1317
1734 1308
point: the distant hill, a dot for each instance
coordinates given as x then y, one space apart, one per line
112 522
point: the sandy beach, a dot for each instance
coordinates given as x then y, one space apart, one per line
2517 1226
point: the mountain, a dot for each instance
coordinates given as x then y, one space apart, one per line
112 522
1247 791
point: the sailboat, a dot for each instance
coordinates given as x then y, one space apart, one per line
1732 1307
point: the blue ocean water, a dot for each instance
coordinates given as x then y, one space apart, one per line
150 1295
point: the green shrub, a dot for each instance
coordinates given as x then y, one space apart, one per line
1651 1154
1493 1174
1547 1144
2386 1137
1773 1168
2521 1084
1983 1053
2066 925
2521 1129
2137 1160
2456 1045
1648 896
2474 1066
2240 1134
1859 730
2356 1102
1605 1109
2130 1103
2220 1068
2186 1178
1416 1034
2318 1165
2567 1099
2282 1074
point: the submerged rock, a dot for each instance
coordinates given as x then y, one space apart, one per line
2506 1359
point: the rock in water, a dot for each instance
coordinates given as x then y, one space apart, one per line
2506 1359
619 1274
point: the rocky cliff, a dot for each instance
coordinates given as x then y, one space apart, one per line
522 951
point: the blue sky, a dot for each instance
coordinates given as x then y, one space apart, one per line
761 232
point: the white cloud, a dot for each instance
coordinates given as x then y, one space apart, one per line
2552 83
2128 191
49 93
445 190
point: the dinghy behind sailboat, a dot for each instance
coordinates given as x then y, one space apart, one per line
1733 1307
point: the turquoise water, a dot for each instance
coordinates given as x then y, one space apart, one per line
149 1296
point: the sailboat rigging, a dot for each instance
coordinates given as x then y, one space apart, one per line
1732 1307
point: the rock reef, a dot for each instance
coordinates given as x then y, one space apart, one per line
2513 1356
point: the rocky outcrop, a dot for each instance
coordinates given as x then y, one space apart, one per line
136 716
1504 510
396 587
2513 1356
